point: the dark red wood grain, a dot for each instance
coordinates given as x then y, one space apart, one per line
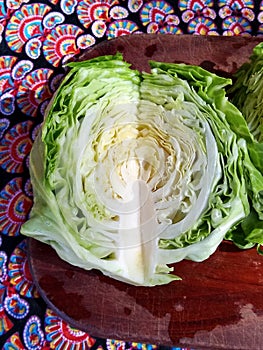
219 302
217 305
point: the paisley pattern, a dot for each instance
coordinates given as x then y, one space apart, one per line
16 307
89 11
60 43
15 146
36 39
33 335
19 274
25 23
33 90
14 207
4 124
234 25
155 11
14 343
3 283
121 27
61 335
3 267
5 323
7 85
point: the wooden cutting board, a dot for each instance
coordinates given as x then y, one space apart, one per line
219 302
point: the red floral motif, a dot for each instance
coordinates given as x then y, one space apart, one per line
14 207
61 336
15 146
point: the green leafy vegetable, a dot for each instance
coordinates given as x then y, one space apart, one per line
133 171
247 95
247 92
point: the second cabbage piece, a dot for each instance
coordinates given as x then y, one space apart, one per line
134 171
247 94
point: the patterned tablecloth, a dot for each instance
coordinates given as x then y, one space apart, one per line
36 37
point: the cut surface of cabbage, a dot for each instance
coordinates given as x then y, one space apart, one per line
134 171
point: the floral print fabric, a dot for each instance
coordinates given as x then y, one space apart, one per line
36 38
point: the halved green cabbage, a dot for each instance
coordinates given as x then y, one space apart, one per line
134 171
